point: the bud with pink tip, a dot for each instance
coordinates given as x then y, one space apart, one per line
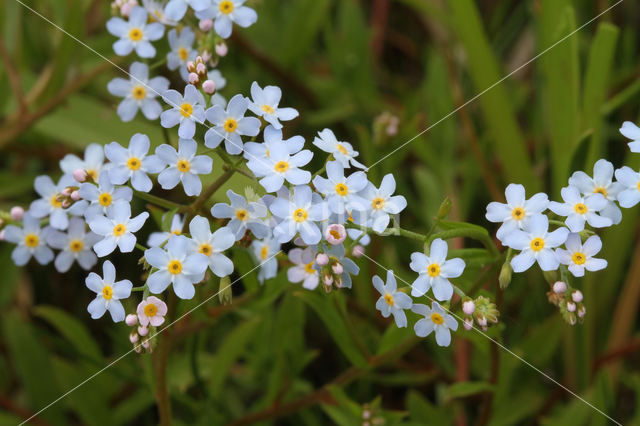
206 56
125 10
145 343
468 323
193 78
221 49
572 319
191 65
335 234
201 69
559 287
67 191
337 268
66 204
571 307
75 195
133 337
17 213
468 307
577 296
327 280
143 331
322 259
482 321
582 311
80 175
358 251
131 320
2 235
209 87
205 25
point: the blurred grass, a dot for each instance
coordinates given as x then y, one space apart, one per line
316 358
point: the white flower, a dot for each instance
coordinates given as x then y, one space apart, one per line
536 244
176 9
258 152
108 293
230 125
48 204
75 244
30 240
181 51
212 245
265 252
435 319
341 151
117 229
602 183
151 311
184 166
226 12
392 301
265 104
435 270
220 82
135 34
631 131
281 166
381 203
156 239
100 197
517 212
92 163
243 216
342 192
299 215
186 110
579 256
303 270
175 266
579 210
139 93
133 163
630 180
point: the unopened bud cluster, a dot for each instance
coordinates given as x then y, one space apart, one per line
481 311
569 302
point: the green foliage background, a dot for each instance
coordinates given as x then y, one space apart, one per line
283 355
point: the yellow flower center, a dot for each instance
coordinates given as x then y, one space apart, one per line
105 199
578 258
433 270
242 214
55 202
230 125
601 190
389 299
342 149
135 34
205 249
186 109
308 268
31 240
264 252
107 292
335 234
537 244
281 166
119 230
150 310
226 7
638 185
183 165
183 53
134 163
175 267
92 174
300 215
76 245
176 232
139 93
341 189
436 318
268 109
580 208
517 213
377 203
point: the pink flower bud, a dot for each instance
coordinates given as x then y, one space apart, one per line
66 204
327 280
191 65
209 87
131 320
221 49
337 268
17 213
322 259
75 195
125 10
468 307
193 78
582 311
80 175
559 287
206 56
572 319
335 234
133 337
571 307
205 25
358 251
468 323
143 331
577 296
201 69
2 235
482 321
145 343
66 192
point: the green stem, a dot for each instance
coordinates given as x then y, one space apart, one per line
157 200
141 247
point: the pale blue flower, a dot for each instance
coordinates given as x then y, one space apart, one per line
230 125
342 193
601 183
185 110
303 270
156 239
281 166
75 245
48 204
30 240
299 214
392 301
536 244
435 270
631 131
227 12
381 203
155 8
182 51
109 292
116 228
135 33
175 265
243 215
92 163
264 251
341 151
184 166
579 257
100 197
264 103
212 245
435 319
254 151
630 180
139 92
133 163
578 209
175 9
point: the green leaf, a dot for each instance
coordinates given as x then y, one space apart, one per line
463 389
